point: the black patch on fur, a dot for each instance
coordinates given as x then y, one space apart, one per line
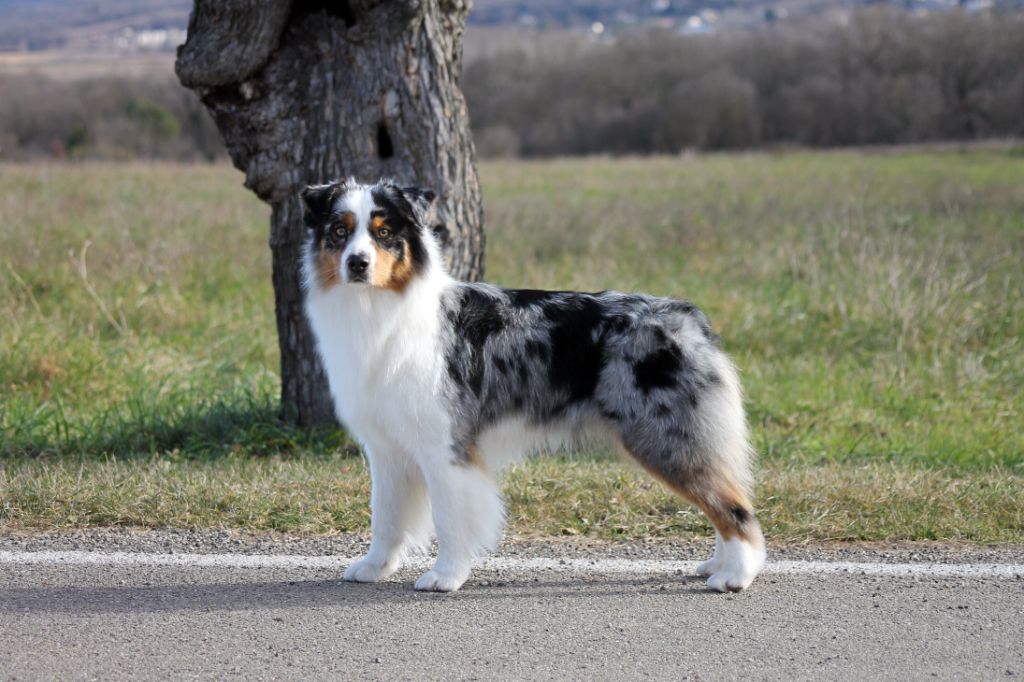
658 369
537 350
660 337
523 370
402 219
500 364
424 197
454 369
520 298
477 318
317 201
741 515
618 324
577 345
452 315
441 233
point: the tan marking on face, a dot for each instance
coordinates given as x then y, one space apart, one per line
376 222
348 219
328 267
390 272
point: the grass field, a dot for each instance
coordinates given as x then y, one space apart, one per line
874 303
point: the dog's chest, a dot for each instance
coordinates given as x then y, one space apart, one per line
381 358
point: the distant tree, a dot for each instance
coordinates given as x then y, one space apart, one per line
304 91
883 77
966 53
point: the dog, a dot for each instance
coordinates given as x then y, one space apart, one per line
444 382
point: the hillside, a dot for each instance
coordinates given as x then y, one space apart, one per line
139 26
102 25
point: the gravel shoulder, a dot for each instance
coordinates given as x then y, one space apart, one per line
350 545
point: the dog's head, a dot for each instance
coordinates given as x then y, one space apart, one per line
367 235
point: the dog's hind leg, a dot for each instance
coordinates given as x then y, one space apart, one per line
468 519
400 516
721 494
739 545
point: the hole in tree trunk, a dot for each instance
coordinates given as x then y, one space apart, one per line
341 10
385 149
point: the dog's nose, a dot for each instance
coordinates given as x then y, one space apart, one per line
357 263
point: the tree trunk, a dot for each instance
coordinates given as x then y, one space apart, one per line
306 91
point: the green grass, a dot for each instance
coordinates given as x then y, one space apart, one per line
874 303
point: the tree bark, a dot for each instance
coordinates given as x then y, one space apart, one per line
305 91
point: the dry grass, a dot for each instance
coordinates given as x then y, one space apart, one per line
551 496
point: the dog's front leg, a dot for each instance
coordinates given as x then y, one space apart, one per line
400 516
468 518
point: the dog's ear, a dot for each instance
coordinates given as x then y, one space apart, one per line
317 199
424 198
441 234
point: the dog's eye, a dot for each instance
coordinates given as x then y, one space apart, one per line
340 231
383 233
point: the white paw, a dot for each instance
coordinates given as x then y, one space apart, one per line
710 567
717 560
730 581
433 581
739 564
367 570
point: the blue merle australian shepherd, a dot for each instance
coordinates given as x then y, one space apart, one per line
444 382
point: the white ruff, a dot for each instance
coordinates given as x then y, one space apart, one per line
381 353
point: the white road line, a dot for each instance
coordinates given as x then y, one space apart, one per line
597 566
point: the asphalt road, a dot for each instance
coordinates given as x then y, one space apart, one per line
81 621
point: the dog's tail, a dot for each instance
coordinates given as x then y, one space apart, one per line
723 422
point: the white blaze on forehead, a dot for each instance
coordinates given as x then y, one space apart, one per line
359 202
